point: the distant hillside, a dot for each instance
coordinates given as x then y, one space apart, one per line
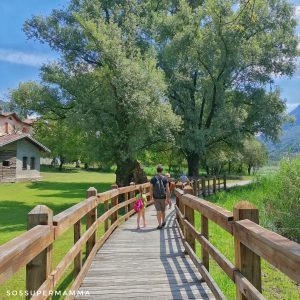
289 144
3 106
290 140
296 114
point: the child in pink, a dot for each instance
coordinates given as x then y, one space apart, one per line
143 197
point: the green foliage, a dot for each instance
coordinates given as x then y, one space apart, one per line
122 62
275 284
63 140
105 84
283 202
218 57
254 155
251 154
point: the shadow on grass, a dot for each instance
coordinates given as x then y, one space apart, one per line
13 216
56 170
67 189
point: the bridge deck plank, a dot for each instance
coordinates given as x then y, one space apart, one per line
144 264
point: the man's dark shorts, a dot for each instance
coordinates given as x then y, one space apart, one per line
160 204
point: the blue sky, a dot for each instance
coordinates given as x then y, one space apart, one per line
20 58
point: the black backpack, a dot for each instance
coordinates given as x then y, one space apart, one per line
159 190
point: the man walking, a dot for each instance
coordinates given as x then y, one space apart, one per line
161 194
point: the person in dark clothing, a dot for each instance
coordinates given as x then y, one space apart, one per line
161 195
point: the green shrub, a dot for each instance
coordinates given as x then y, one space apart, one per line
283 204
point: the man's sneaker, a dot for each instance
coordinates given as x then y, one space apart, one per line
163 224
159 227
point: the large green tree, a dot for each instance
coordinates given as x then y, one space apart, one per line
215 62
106 82
220 58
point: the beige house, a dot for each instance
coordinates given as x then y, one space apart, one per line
19 152
10 123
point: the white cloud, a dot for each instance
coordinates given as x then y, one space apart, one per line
23 58
297 11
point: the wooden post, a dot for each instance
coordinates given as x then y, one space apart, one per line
189 216
106 222
91 217
177 204
208 186
132 195
78 257
195 187
246 260
126 206
214 185
114 202
225 183
40 267
219 184
178 185
204 232
203 187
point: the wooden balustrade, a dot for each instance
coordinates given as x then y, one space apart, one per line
205 186
252 242
33 248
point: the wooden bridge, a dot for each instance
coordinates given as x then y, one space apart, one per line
127 263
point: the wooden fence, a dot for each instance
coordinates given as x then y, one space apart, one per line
205 186
251 243
33 248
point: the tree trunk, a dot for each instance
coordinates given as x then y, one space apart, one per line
207 169
249 170
61 163
193 160
129 171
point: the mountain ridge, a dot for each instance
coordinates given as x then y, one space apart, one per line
289 143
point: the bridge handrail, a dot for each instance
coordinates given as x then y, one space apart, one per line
22 249
251 242
203 186
35 245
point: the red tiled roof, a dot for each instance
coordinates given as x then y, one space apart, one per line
10 138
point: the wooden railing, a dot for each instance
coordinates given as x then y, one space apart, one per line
205 186
251 243
33 248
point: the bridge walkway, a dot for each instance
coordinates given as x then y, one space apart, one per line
144 264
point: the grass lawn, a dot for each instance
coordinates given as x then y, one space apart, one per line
58 191
275 284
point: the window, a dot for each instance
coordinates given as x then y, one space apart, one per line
5 163
24 163
32 163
